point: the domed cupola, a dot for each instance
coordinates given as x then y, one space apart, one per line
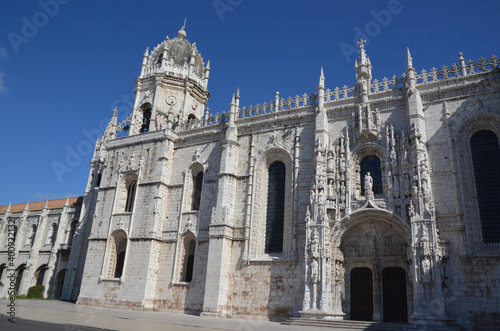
173 83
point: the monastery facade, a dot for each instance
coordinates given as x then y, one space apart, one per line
377 201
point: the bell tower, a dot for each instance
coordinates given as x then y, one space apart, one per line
172 86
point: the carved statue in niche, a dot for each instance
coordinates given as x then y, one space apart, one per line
411 210
368 182
432 209
308 215
312 195
331 189
363 85
342 192
406 183
425 189
394 161
395 187
314 245
330 162
314 272
321 190
342 166
426 269
415 186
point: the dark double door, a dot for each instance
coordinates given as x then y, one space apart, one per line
393 294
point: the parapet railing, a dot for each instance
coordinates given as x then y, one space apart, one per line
385 85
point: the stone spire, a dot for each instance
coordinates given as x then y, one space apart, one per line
8 209
110 132
232 111
321 132
145 59
410 71
363 69
414 105
66 204
26 210
321 91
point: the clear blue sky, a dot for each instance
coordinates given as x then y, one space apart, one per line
63 70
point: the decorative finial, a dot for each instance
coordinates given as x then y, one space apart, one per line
238 93
361 43
409 59
232 100
146 53
181 33
322 79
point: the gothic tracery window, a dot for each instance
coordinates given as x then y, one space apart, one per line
31 239
197 186
146 117
117 248
188 259
486 158
275 208
371 164
72 232
131 188
51 236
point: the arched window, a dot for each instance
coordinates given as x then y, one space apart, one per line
98 180
160 57
191 117
2 268
146 117
40 274
117 248
19 278
31 239
59 284
485 159
275 208
371 164
197 186
51 236
187 274
129 204
72 232
185 257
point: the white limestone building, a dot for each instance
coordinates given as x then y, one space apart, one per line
35 244
372 202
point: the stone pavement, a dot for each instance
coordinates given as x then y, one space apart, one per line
73 316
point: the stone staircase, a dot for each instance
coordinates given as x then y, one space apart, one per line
360 325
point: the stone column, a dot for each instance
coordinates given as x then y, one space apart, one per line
220 233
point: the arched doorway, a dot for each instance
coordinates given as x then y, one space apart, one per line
19 278
361 294
59 284
371 242
394 295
